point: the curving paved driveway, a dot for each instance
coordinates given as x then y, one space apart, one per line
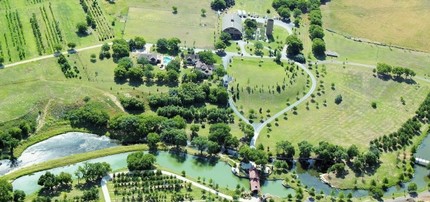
259 126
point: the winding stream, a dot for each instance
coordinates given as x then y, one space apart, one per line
219 172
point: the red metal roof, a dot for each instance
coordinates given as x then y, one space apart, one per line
254 180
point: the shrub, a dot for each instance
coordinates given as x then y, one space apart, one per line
374 105
338 99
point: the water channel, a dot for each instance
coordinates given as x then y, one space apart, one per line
219 172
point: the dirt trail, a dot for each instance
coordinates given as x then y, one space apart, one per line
114 100
42 116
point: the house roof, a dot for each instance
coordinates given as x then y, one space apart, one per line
253 174
149 56
232 20
254 180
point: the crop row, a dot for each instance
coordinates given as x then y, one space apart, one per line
7 45
56 24
15 29
157 196
37 34
97 19
52 35
5 4
34 1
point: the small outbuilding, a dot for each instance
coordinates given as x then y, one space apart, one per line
232 24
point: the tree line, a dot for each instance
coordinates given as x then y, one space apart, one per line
404 135
383 69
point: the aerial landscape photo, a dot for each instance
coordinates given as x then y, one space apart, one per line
214 100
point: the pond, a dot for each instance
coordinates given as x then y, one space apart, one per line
220 173
56 147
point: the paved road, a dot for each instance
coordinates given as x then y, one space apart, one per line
105 190
49 56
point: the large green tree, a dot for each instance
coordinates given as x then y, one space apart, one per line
305 149
201 143
318 47
140 161
6 194
284 148
295 45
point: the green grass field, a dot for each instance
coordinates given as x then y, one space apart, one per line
353 121
156 20
258 7
352 51
403 23
257 85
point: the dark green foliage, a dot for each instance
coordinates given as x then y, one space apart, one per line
174 65
82 28
6 194
295 45
401 138
91 195
120 49
285 149
338 168
48 181
93 172
248 154
222 4
90 115
329 154
305 149
284 12
134 128
170 46
18 196
318 47
132 104
66 68
353 151
152 139
383 69
220 133
207 57
201 143
338 99
140 161
412 187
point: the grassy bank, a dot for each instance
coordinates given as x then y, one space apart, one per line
73 159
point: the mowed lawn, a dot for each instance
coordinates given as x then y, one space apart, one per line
365 53
403 23
154 21
258 7
353 121
260 79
